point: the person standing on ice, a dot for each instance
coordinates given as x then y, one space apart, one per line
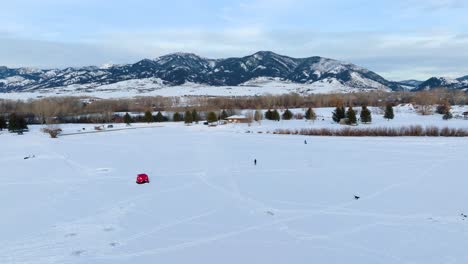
255 161
305 141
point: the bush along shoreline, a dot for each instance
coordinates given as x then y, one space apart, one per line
404 131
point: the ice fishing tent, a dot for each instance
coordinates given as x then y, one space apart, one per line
142 178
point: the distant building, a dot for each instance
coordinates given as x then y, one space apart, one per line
237 119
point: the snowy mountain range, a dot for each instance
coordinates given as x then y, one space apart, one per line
272 72
185 68
442 82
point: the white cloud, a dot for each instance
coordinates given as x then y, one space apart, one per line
395 56
412 43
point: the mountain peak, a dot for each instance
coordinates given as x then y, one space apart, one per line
265 53
181 54
443 82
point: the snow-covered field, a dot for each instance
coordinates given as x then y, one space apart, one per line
154 87
75 200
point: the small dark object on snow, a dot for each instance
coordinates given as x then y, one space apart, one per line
84 128
255 161
464 215
20 132
78 252
30 157
305 142
356 197
142 178
270 213
110 126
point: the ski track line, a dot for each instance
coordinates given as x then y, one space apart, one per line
200 241
105 209
101 211
36 242
168 225
236 196
377 215
83 181
351 231
81 169
126 202
41 260
392 186
379 254
348 212
38 252
300 204
326 210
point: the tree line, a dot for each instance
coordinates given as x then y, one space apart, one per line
60 107
340 115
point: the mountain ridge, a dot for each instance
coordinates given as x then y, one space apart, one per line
180 68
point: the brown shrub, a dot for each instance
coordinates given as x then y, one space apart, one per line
411 131
53 132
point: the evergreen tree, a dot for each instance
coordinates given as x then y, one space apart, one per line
127 119
148 118
339 114
22 124
287 115
188 118
269 115
310 114
448 115
211 117
159 117
366 116
223 115
195 116
177 117
3 124
389 112
351 115
12 122
276 115
16 122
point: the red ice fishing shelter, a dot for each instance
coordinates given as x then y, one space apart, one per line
142 178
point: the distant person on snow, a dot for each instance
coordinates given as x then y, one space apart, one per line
255 161
305 142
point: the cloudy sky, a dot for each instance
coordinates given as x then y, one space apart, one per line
399 39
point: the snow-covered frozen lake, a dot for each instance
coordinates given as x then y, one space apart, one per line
76 200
